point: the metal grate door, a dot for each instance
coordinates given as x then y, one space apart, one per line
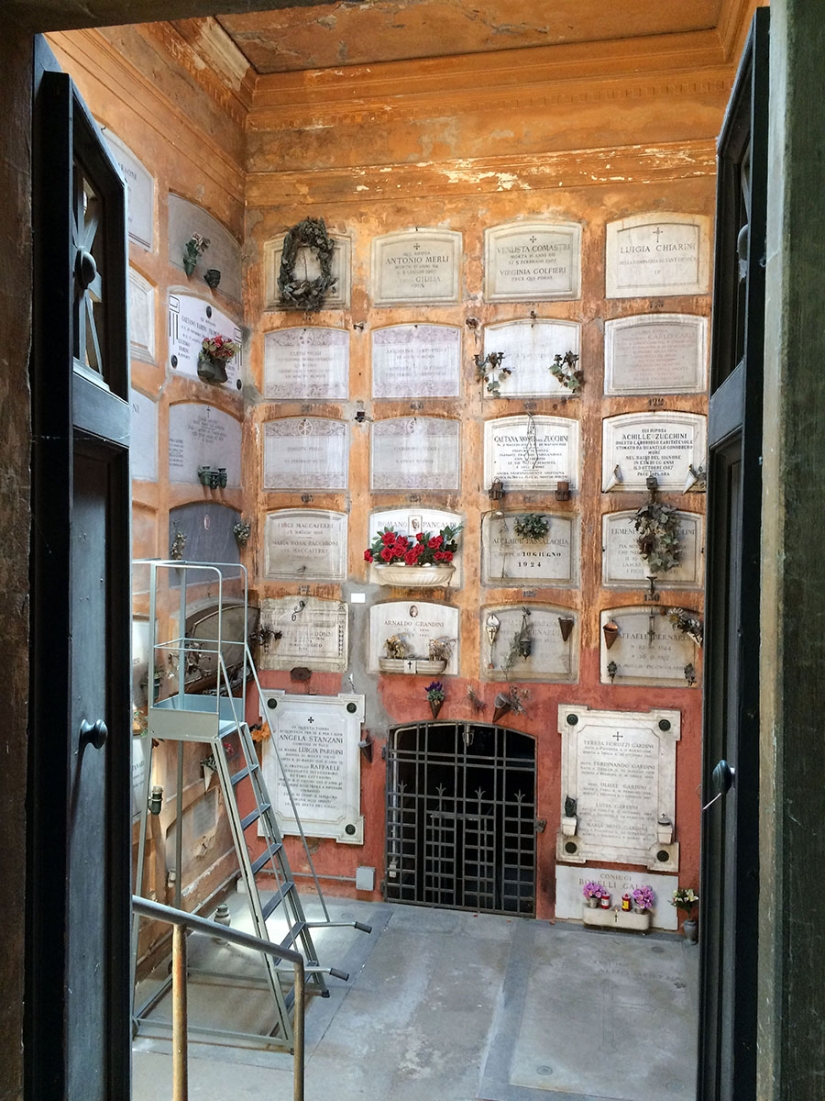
461 825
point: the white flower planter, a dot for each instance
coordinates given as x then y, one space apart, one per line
420 666
415 577
617 919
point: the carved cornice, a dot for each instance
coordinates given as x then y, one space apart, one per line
551 171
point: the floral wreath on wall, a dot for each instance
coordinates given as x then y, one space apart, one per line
306 294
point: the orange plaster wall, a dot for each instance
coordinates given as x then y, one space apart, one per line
386 155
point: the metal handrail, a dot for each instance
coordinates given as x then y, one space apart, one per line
180 919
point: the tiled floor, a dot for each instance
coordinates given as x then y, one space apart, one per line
444 1005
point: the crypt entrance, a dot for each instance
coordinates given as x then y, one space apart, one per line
461 824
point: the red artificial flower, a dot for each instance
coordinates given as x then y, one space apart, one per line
411 557
443 556
368 556
388 537
419 537
387 554
435 542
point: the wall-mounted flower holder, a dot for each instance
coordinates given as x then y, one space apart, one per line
242 530
611 633
501 705
496 491
612 670
566 625
213 477
690 674
615 479
562 491
212 278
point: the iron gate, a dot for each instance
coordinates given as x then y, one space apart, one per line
461 817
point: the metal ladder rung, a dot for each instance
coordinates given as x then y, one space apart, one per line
254 815
276 901
244 772
293 935
268 854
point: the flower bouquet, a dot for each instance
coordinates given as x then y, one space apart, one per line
215 352
424 559
436 696
643 899
593 893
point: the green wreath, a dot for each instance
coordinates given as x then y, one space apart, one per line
306 294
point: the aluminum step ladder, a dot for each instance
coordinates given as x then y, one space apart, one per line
219 722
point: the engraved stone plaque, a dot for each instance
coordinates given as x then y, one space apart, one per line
532 262
306 363
550 656
313 633
415 623
190 321
528 452
415 453
411 521
649 649
201 435
210 537
620 767
510 560
305 453
624 567
143 454
663 444
570 882
308 266
656 354
317 751
223 254
140 191
652 255
416 267
305 544
529 348
141 317
416 361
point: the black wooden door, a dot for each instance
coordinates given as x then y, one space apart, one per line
77 1003
730 868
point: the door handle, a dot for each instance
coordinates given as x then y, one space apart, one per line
94 733
721 781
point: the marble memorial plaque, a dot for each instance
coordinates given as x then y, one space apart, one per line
509 560
415 453
416 623
306 363
653 255
210 536
532 262
411 521
190 321
316 738
421 266
303 544
640 444
649 649
529 349
306 453
655 354
624 567
620 767
143 453
570 883
531 452
551 658
314 633
416 361
140 191
336 298
141 318
201 435
223 254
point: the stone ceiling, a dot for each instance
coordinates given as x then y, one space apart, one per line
323 35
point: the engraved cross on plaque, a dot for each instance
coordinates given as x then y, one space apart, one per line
310 719
618 736
657 233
